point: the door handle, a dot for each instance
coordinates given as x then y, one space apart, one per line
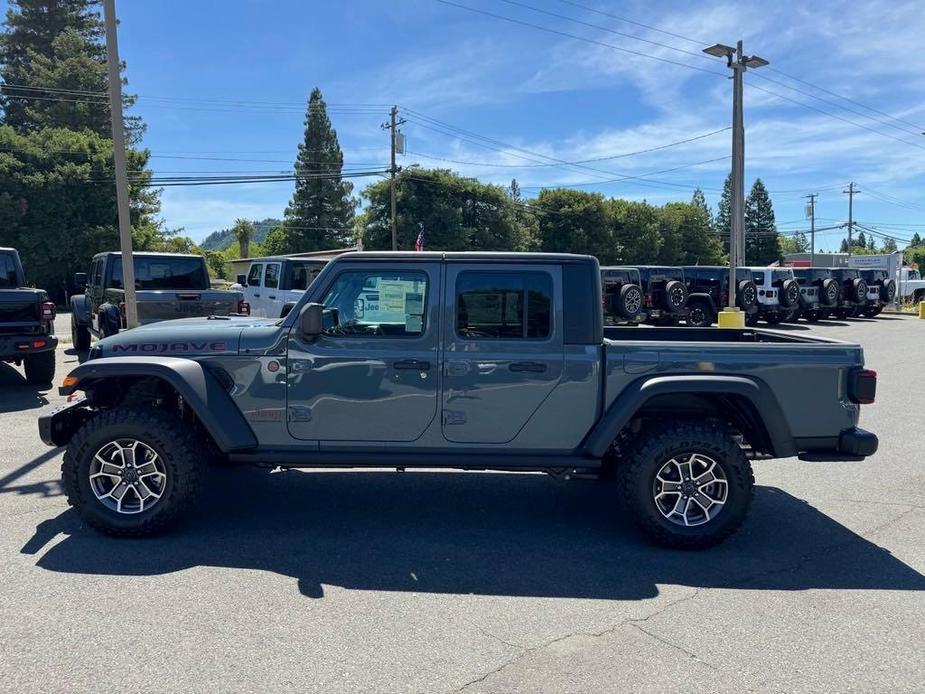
411 365
531 366
272 296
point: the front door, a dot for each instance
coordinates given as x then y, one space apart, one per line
372 375
503 351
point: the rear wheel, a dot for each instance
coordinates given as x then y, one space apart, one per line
700 315
687 486
40 367
772 318
133 472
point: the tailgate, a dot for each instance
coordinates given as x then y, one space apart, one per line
167 305
18 310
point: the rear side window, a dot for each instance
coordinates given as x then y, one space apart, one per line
8 274
758 279
503 306
253 277
302 274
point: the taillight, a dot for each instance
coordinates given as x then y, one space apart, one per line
863 386
244 307
48 310
648 300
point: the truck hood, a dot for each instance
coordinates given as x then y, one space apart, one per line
185 336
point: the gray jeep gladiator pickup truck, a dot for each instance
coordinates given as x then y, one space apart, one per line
456 360
27 322
168 285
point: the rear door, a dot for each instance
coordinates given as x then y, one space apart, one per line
503 348
254 291
272 304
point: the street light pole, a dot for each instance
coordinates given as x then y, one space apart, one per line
738 62
118 156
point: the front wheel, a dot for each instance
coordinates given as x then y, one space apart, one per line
687 486
132 472
80 335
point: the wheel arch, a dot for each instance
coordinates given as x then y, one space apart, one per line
748 403
203 392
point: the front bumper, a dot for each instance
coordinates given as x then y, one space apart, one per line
853 444
15 347
58 426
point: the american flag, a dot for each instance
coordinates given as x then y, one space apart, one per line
419 241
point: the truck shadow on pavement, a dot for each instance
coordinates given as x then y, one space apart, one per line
478 533
17 394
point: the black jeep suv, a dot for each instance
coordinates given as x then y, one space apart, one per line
853 299
708 292
622 296
881 290
27 322
819 292
664 294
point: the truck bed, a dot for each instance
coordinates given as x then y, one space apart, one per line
748 335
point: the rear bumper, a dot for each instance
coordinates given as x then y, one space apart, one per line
853 444
17 346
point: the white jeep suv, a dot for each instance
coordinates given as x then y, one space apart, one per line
778 295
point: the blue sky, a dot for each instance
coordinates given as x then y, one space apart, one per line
228 80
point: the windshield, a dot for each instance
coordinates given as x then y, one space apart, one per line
9 277
163 272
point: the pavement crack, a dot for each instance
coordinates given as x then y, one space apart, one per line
672 644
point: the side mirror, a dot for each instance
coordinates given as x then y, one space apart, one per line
242 280
80 280
287 309
311 320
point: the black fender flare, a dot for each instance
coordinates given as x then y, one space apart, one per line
701 296
637 393
80 308
201 390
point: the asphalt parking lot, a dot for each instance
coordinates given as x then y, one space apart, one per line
475 582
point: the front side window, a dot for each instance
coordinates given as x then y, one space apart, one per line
271 279
377 303
503 306
253 277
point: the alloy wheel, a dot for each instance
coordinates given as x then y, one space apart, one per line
690 489
127 476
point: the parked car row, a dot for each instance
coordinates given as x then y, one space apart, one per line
696 294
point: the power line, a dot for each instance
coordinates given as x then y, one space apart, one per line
634 22
576 37
629 177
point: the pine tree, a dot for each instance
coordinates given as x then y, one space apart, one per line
861 241
871 243
723 220
762 244
515 190
699 200
320 214
916 240
889 245
844 248
802 243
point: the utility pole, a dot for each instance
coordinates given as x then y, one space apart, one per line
394 135
738 62
118 155
811 209
850 193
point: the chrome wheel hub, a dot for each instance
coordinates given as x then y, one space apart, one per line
127 476
690 489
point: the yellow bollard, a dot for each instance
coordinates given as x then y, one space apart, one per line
732 318
922 310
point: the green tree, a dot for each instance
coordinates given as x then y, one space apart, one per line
762 243
636 231
723 221
699 200
575 221
872 243
243 231
889 245
844 248
320 215
515 190
218 267
861 241
457 214
796 243
916 240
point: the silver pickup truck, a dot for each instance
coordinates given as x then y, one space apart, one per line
167 286
456 360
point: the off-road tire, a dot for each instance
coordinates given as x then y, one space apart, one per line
860 289
772 318
888 290
830 292
812 316
699 315
751 320
40 367
80 335
630 296
675 295
176 442
746 294
655 446
873 312
789 293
